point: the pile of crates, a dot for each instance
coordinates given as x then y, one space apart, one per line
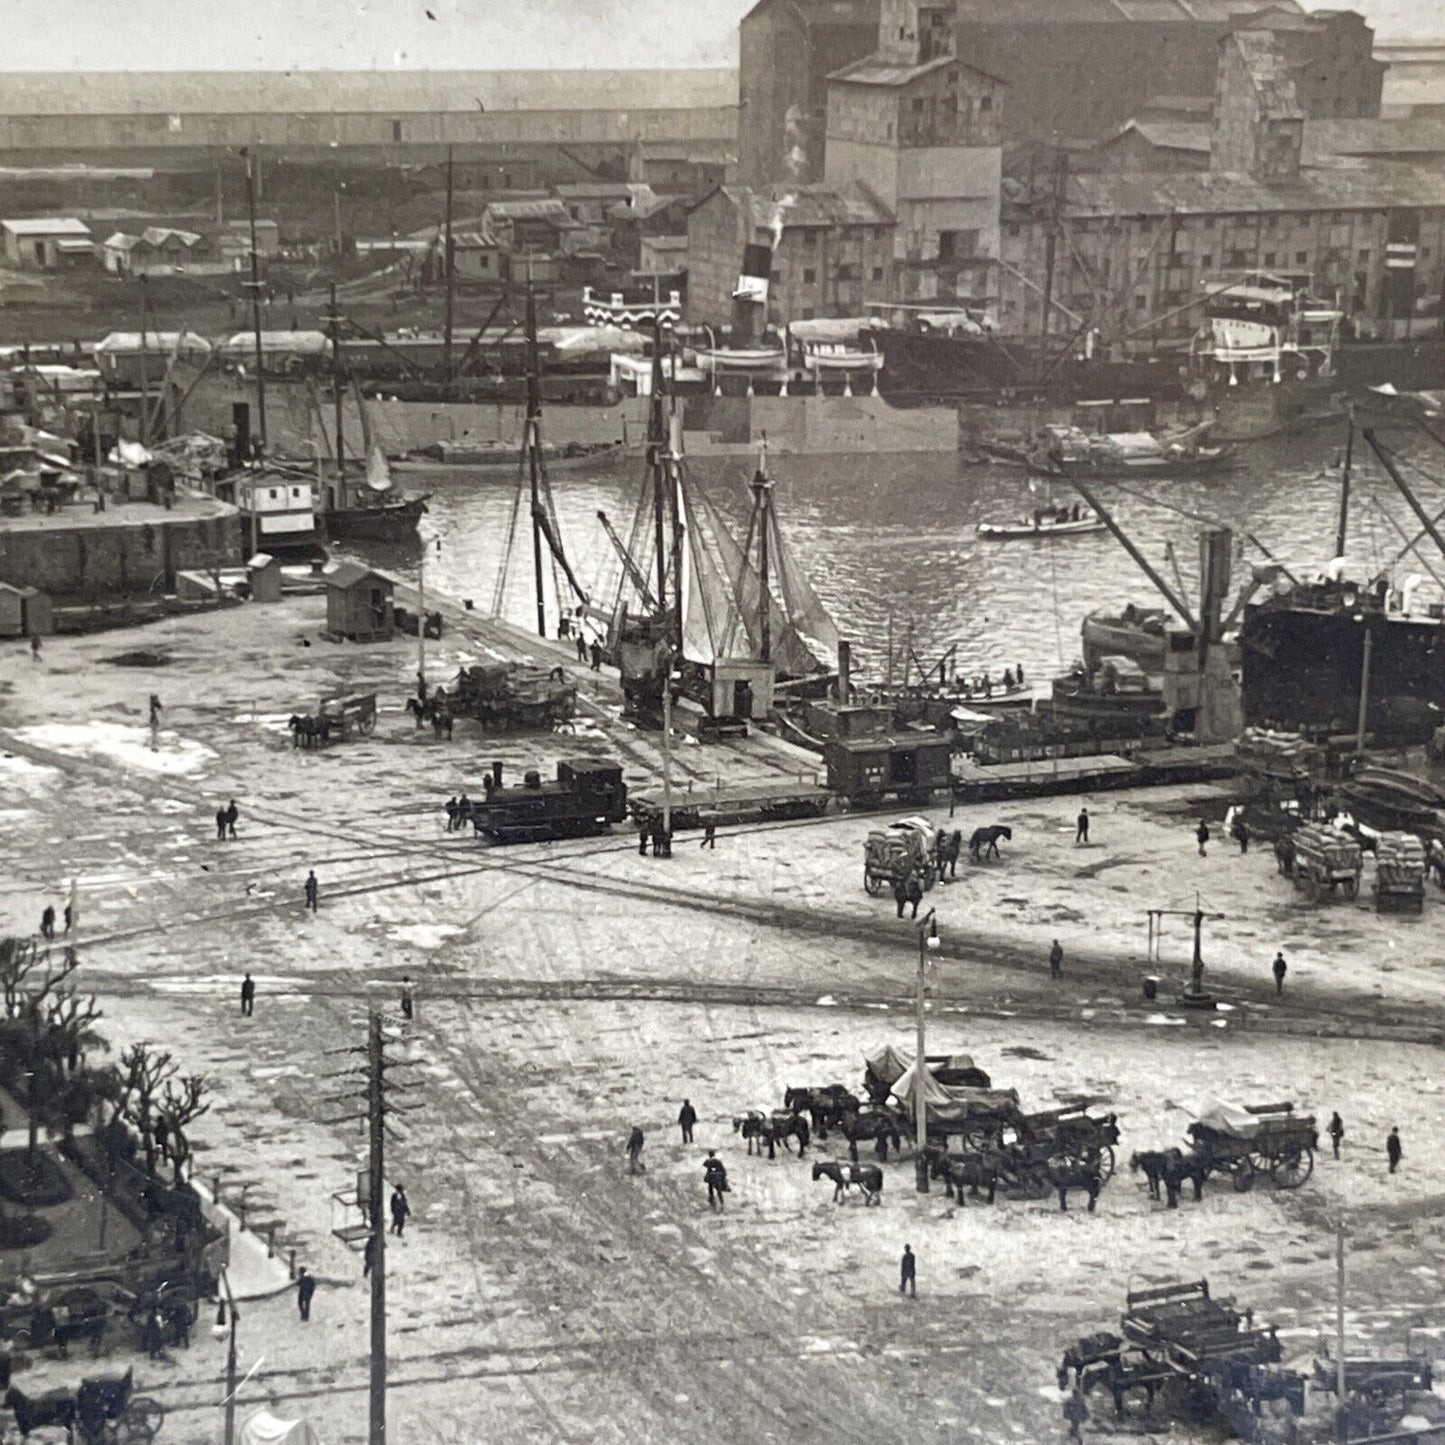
1399 874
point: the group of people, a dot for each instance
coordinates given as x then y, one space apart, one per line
47 921
651 830
226 821
982 685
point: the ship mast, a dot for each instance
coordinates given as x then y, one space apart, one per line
334 322
762 493
656 441
1340 530
534 450
255 285
448 274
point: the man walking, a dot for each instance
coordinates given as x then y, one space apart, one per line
305 1288
1240 830
1056 959
35 647
1202 834
1336 1131
313 890
368 1256
581 646
1280 968
634 1152
232 813
1394 1149
220 825
686 1118
709 836
1081 830
717 1180
400 1211
908 1272
644 832
47 921
407 1007
596 656
1076 1412
248 996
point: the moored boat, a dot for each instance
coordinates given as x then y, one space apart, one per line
1045 522
1069 451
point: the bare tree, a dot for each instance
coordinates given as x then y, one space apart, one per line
28 975
176 1111
143 1073
69 1021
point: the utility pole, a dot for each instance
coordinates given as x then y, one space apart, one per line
334 321
763 490
252 166
927 941
1362 717
376 1183
421 613
145 386
1342 1421
667 746
1051 244
656 440
1342 528
534 450
447 272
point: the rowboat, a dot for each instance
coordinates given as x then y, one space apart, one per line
1043 525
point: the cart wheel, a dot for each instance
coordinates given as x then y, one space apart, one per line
1242 1172
871 881
1106 1163
1291 1169
141 1422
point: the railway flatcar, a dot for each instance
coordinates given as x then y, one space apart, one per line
587 797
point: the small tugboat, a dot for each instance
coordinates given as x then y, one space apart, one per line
1045 522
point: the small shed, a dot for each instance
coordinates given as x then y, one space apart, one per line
24 612
358 604
263 573
741 687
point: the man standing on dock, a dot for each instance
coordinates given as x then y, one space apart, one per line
1394 1149
248 996
1202 834
313 890
1056 960
1081 832
1280 968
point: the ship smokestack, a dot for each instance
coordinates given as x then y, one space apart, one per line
750 297
845 670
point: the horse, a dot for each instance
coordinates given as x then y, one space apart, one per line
1088 1351
1284 855
441 722
946 850
877 1124
1067 1174
985 841
99 1400
868 1178
55 1407
973 1172
759 1128
825 1105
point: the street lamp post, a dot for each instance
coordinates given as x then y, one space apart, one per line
223 1329
927 943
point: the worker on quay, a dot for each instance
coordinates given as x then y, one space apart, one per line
232 813
408 1007
596 650
716 1177
1394 1149
248 996
313 890
1336 1131
1201 833
634 1152
908 1272
1081 829
644 832
1239 831
1280 968
1076 1412
686 1120
1056 960
47 921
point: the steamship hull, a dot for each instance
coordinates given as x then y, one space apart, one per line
1302 667
393 522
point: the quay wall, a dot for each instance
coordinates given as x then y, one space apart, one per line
117 555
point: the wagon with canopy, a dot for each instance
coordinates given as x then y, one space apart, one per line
901 850
1245 1140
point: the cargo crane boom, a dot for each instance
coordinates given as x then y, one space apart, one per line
635 574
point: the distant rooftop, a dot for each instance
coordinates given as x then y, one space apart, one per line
1113 12
47 226
799 207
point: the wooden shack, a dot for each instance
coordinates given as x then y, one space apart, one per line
358 604
24 612
263 575
741 688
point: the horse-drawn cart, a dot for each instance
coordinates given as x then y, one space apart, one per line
1399 873
1325 858
898 852
349 713
1256 1139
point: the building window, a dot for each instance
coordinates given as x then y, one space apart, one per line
1011 230
877 273
1301 258
1364 255
807 313
846 271
1206 260
272 493
809 275
1141 303
985 103
1269 258
396 130
953 77
918 105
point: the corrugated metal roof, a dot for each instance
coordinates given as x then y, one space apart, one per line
47 226
160 92
548 210
1116 12
1378 186
875 70
1173 135
1374 137
813 205
348 574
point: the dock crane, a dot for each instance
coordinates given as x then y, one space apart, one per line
635 574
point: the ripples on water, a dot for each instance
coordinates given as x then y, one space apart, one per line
896 534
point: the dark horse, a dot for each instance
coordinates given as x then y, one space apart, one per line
973 1172
985 841
876 1124
55 1407
1170 1167
759 1128
1067 1174
867 1178
825 1105
54 1328
1088 1351
946 850
308 731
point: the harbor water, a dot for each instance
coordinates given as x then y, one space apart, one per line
894 537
